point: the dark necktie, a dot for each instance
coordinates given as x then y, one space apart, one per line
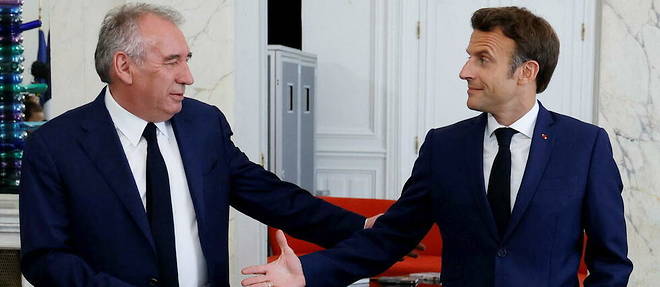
499 184
159 209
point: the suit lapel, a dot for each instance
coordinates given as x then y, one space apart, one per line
102 145
192 158
540 150
474 147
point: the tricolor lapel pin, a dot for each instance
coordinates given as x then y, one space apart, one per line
544 136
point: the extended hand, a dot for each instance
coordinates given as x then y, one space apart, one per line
369 223
286 271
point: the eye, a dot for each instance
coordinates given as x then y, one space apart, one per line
483 60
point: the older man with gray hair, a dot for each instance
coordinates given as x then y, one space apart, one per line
134 188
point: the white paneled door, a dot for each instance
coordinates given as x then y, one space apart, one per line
388 72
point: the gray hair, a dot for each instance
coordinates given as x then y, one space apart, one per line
119 32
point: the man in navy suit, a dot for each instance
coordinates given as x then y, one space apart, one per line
134 188
513 190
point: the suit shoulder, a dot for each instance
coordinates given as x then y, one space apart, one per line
63 123
200 112
575 127
457 128
197 108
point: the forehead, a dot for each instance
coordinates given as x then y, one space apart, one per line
494 42
162 35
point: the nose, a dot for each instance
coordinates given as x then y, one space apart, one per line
185 77
466 71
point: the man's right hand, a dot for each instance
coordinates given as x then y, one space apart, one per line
286 271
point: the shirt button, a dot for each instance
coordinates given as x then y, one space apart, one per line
502 252
153 282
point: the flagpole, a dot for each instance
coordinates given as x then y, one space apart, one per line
39 9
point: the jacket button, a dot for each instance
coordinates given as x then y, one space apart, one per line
153 282
502 252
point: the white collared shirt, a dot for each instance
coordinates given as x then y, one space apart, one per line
190 261
520 144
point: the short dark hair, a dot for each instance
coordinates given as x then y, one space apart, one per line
535 39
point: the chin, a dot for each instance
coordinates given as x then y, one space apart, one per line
171 111
175 110
472 104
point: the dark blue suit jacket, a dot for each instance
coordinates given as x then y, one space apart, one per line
82 220
571 184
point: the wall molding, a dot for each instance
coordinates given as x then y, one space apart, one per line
349 181
373 134
400 29
380 154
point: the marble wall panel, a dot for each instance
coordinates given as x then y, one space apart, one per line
629 109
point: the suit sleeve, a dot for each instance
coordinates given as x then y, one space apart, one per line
371 251
47 257
607 249
261 195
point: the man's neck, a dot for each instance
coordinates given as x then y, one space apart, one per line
511 114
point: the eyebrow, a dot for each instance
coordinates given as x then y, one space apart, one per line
176 57
482 52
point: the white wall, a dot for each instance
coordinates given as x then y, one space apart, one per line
248 237
629 109
350 40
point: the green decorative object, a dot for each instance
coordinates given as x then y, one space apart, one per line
17 88
13 132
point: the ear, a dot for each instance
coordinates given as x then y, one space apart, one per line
121 66
528 72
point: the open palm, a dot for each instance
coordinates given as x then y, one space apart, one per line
286 271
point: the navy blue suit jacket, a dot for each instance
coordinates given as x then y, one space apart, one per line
82 220
571 184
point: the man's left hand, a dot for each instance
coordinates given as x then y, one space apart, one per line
286 271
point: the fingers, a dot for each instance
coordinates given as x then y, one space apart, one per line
281 241
263 284
256 281
369 223
413 253
256 269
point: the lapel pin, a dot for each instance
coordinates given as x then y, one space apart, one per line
544 136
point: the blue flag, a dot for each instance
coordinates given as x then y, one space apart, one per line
43 56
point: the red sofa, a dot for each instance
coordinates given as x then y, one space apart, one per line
430 260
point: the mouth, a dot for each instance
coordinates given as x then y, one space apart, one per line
177 96
472 90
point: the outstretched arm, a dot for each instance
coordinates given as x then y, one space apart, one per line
371 251
261 195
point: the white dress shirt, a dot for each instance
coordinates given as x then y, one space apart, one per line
190 261
520 144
